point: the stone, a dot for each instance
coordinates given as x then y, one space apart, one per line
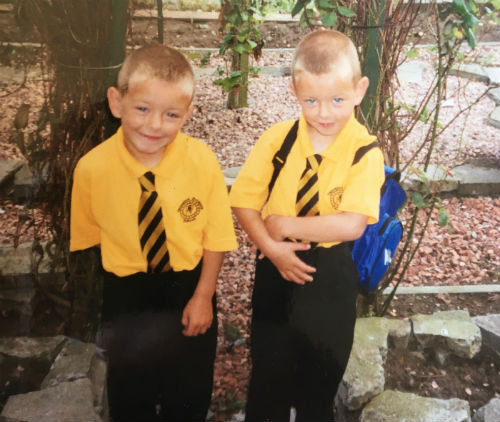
72 363
494 94
411 72
230 174
493 74
490 330
494 119
448 330
8 168
42 348
68 401
364 377
399 333
396 406
471 71
475 180
490 412
18 260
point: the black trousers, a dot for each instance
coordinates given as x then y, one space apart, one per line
301 337
154 371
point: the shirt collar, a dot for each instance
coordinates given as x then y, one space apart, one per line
165 167
342 143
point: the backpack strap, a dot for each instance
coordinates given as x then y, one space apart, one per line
363 150
279 158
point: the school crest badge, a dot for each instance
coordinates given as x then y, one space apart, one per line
336 197
189 209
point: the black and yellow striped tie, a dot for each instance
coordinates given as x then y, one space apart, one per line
151 231
308 193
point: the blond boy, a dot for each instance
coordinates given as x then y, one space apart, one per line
155 202
305 290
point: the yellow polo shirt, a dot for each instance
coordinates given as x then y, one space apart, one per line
190 186
342 187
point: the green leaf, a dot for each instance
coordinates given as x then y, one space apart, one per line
411 54
205 59
239 48
298 7
251 44
326 4
418 200
346 12
495 4
443 217
329 19
231 332
471 38
254 70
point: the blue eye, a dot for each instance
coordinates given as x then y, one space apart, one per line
172 115
142 109
337 100
310 101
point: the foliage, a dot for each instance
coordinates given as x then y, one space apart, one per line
239 20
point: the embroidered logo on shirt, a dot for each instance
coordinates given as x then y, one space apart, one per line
189 209
335 197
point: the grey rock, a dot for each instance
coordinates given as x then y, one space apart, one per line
449 330
399 333
395 406
490 412
14 261
42 348
364 377
68 401
72 363
475 180
8 168
230 174
490 330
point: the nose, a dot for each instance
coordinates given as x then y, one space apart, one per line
325 109
154 120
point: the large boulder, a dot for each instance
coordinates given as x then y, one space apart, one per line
395 406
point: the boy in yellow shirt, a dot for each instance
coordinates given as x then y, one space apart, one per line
304 298
156 203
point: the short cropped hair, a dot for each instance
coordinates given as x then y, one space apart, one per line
325 51
158 61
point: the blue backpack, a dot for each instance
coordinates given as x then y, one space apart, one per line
373 251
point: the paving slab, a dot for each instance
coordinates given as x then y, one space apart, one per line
494 119
471 71
411 72
494 94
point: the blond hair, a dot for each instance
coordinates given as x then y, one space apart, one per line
326 51
157 61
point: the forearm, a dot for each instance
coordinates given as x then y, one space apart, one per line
212 262
341 227
254 226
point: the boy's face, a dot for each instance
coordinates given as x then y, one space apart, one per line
327 102
152 112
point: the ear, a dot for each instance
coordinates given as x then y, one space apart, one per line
188 114
361 88
115 101
292 87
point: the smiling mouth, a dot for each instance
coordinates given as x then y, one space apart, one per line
150 137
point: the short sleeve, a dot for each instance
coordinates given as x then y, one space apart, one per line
362 192
219 233
84 230
250 189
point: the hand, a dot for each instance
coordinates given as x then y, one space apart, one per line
290 266
274 226
197 316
